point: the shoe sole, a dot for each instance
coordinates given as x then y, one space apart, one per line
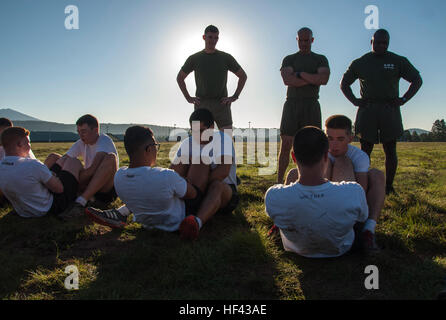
190 228
95 218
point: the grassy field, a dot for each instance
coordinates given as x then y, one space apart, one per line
233 258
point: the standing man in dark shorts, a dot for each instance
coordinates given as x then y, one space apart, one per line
379 117
303 72
211 73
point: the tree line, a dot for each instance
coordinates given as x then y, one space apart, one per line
437 134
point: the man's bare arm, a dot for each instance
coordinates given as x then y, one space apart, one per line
348 93
54 185
361 178
241 74
222 171
182 84
290 80
317 79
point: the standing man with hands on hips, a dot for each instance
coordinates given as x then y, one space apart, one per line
211 73
379 117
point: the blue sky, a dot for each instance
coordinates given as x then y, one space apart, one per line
122 63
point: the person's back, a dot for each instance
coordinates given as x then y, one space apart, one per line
22 182
153 195
316 216
317 221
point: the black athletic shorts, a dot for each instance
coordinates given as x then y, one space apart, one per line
69 194
106 197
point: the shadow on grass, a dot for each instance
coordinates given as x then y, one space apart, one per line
228 261
416 277
28 245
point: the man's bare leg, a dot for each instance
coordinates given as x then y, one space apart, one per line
284 156
73 166
375 193
217 197
52 159
102 180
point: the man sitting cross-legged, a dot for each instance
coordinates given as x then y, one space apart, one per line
28 184
349 163
101 162
212 153
158 197
208 165
316 217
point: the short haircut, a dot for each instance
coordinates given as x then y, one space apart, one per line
202 115
88 119
5 122
305 29
382 32
211 28
339 121
12 135
310 145
135 137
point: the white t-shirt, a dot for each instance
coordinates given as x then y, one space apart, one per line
22 182
211 153
3 154
360 159
88 152
153 196
317 221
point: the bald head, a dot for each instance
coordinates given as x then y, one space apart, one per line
305 40
380 41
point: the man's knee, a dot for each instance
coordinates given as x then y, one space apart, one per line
376 177
110 161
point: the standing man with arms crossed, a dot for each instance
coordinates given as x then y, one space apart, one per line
379 117
303 72
211 74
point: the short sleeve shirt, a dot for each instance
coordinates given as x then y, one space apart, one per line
379 75
304 63
88 152
317 221
22 181
153 195
211 72
359 159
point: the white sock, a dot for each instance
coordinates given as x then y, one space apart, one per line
124 211
200 223
81 201
370 225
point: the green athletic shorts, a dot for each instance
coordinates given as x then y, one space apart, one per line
379 122
298 113
221 112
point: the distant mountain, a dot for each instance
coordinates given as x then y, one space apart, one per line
418 131
15 115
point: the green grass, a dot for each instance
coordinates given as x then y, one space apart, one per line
233 258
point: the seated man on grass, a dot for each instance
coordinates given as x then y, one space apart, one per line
210 184
5 123
28 184
349 163
316 217
101 162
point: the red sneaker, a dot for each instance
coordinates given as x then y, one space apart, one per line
189 228
274 229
